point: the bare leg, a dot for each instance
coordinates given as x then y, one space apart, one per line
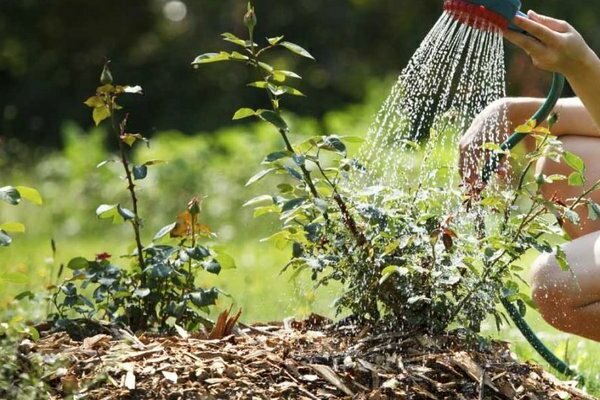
570 301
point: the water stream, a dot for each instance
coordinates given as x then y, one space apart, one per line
456 72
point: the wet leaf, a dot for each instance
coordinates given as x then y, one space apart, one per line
5 240
10 195
593 210
260 175
204 298
140 172
164 231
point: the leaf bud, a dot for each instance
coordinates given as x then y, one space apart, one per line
250 19
194 206
106 76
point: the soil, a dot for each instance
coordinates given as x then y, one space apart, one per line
293 360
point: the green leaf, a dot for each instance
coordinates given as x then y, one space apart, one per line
10 195
391 270
258 200
265 66
152 163
160 270
5 240
237 56
561 259
78 263
278 155
291 91
107 211
230 37
100 114
212 266
285 188
94 102
259 84
243 113
204 298
211 58
260 211
261 175
30 194
593 210
26 294
576 179
352 139
140 172
274 40
14 227
126 213
574 161
164 231
294 173
226 261
141 293
273 118
333 143
296 49
281 75
292 204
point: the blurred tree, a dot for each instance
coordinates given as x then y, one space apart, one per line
52 51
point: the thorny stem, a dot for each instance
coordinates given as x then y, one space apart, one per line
119 131
346 216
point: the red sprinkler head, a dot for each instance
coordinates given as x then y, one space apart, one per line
476 15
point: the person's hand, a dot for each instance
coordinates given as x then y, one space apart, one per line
488 127
553 45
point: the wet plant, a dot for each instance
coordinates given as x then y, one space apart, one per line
423 257
157 290
13 196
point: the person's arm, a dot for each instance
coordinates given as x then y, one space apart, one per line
556 46
573 117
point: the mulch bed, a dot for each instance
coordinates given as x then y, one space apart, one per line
292 360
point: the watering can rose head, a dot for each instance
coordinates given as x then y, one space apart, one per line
484 14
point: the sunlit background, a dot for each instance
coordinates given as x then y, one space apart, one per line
51 54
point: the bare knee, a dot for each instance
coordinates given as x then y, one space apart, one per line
552 292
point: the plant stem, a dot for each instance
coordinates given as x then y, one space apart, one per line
346 216
119 131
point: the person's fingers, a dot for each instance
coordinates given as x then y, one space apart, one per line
552 23
535 29
529 44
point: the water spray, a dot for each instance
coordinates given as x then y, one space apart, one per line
498 14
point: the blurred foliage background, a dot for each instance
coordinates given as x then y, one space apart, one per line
51 51
51 54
